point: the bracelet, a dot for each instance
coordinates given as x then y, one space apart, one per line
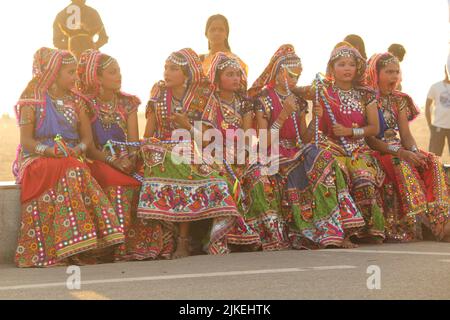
393 148
275 126
358 132
40 149
110 159
83 147
414 149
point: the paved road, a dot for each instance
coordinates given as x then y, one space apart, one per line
407 271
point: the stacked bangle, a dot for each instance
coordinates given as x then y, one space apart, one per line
393 148
83 147
414 149
109 159
40 149
275 126
358 132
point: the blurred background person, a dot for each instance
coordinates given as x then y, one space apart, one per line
439 97
76 26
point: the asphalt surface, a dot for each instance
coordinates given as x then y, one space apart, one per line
390 271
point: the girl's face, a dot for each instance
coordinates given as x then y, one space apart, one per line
230 79
388 77
289 75
344 69
111 78
217 33
67 77
173 75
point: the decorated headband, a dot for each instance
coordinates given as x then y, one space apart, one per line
69 60
229 63
107 63
179 61
390 60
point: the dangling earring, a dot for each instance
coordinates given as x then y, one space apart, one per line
185 84
101 91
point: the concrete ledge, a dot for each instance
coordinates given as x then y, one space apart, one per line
9 220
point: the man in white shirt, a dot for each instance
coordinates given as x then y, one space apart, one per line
439 97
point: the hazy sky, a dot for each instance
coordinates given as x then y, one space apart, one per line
143 33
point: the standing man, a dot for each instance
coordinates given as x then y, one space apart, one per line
76 26
439 96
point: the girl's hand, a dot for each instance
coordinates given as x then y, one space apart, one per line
290 105
341 131
181 119
412 158
317 111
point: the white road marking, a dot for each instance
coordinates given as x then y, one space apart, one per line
179 276
416 253
444 260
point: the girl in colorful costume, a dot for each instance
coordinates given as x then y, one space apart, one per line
350 114
175 190
230 111
415 190
65 213
315 198
113 115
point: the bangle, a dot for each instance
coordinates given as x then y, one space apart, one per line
414 149
40 149
83 147
110 159
393 148
275 126
358 132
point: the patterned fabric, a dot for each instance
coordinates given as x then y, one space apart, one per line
143 239
207 60
412 196
315 199
46 65
364 178
286 53
71 217
261 204
178 191
198 95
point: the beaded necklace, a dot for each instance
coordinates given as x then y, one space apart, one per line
388 111
349 100
107 112
320 90
231 113
64 109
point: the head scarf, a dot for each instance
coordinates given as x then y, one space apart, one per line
87 71
222 61
345 49
199 89
46 65
373 73
372 70
284 57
